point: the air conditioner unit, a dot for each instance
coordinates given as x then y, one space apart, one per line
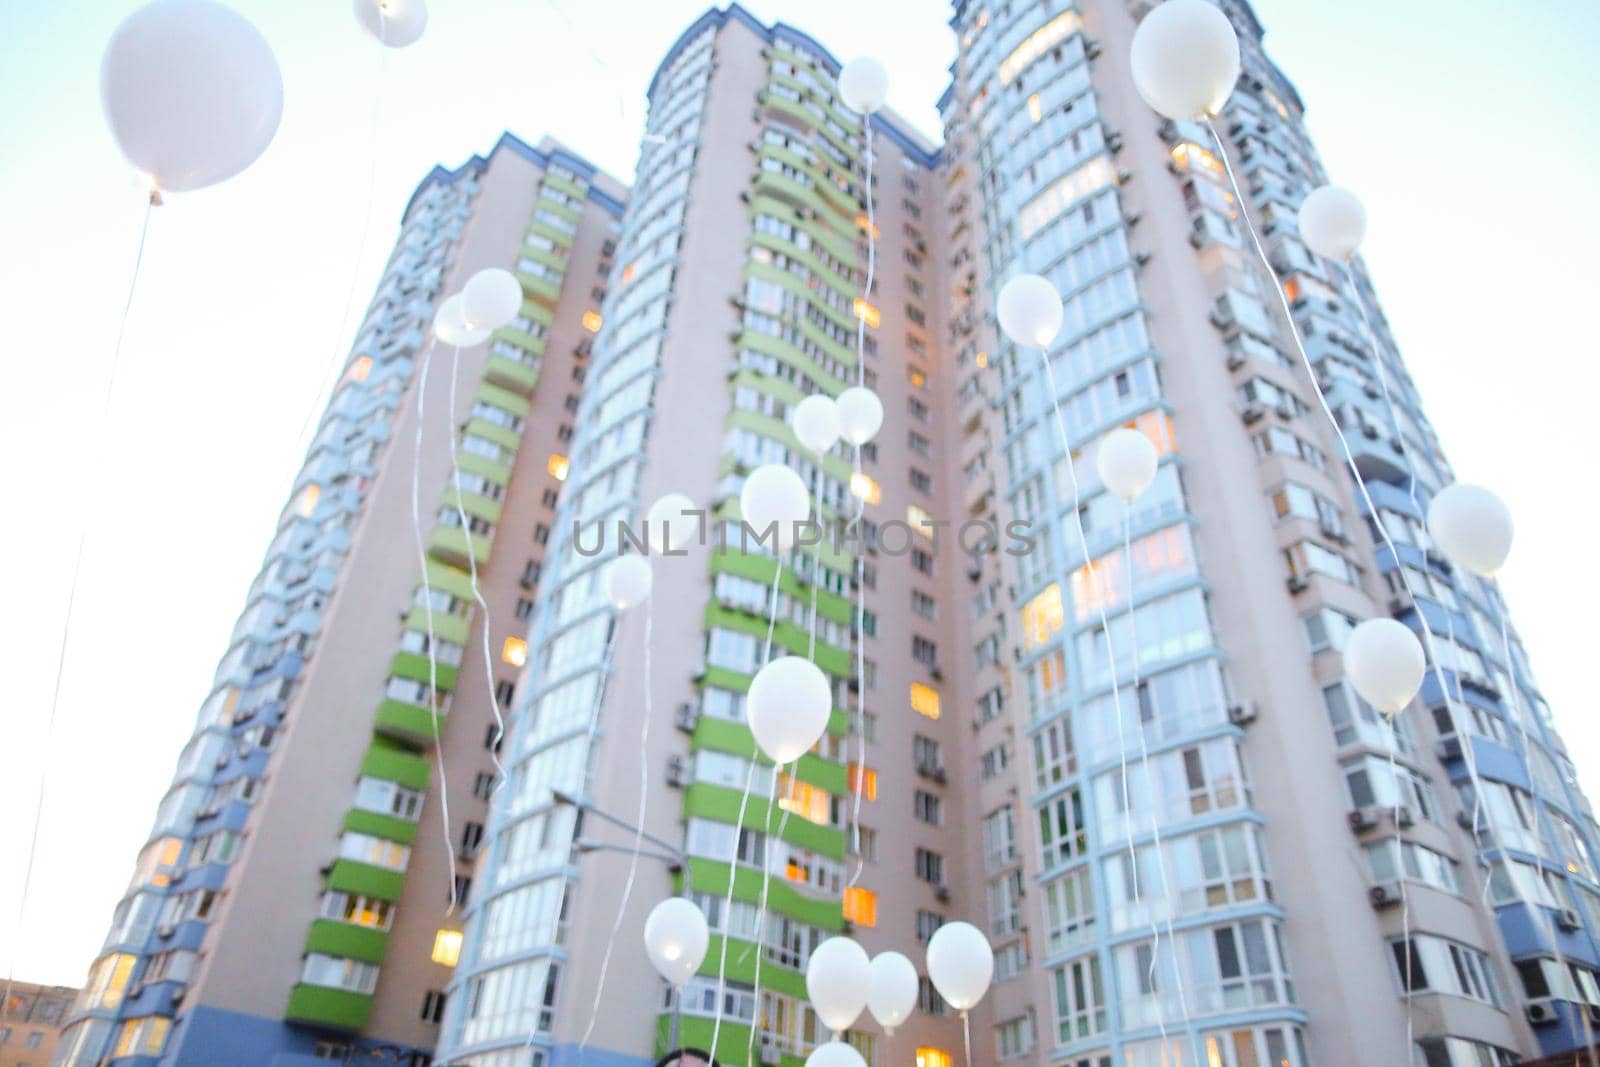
1464 820
222 761
1397 604
1332 532
1384 895
166 930
1236 360
1370 431
1252 413
1363 819
935 673
1541 1011
1371 391
1285 410
770 1054
1568 920
686 717
677 772
941 894
1594 1012
1299 584
1448 747
1403 817
207 812
1243 714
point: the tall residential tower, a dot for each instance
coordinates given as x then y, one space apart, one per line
1186 837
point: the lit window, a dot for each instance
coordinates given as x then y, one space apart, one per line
308 501
916 377
627 272
920 520
1190 157
862 780
447 947
1035 45
805 800
867 313
1042 617
359 369
1035 111
932 1057
557 467
862 487
925 700
862 224
591 321
514 651
983 359
861 906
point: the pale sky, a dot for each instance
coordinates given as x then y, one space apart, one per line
1463 124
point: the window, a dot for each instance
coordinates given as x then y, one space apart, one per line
338 973
1079 1000
447 947
1428 963
514 651
388 798
922 561
1042 617
557 465
929 866
863 488
862 780
1069 909
861 906
1014 1037
928 924
924 651
925 700
432 1006
145 1036
592 321
1063 835
933 1057
923 604
925 753
357 910
927 808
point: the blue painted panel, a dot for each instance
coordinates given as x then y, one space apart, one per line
568 1056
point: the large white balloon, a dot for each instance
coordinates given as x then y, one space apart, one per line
835 1054
892 990
788 706
816 422
960 964
671 524
491 298
675 937
864 85
1472 526
1126 461
1332 222
1384 661
396 23
774 495
451 327
838 978
1029 310
628 580
1185 59
191 91
860 414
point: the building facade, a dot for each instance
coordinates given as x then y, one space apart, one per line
30 1022
1120 743
291 905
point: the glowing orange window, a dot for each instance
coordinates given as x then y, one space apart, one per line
862 780
557 467
592 321
861 906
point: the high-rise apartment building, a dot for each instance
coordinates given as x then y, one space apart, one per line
1186 837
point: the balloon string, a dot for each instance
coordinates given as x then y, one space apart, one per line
477 593
427 608
1427 630
318 403
761 909
1111 664
72 595
638 836
738 826
966 1036
1155 821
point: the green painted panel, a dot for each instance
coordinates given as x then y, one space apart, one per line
451 542
734 738
778 276
392 764
498 434
542 288
566 185
732 1039
348 941
385 826
349 876
787 635
512 374
406 721
842 246
540 255
778 430
450 627
721 803
337 1009
456 582
742 968
415 667
473 504
504 399
495 472
712 877
760 568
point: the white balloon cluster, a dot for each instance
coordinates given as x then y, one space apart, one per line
891 990
816 422
1384 662
1185 59
395 23
1126 462
628 581
1472 527
491 298
191 91
960 964
675 938
860 415
1029 310
774 496
788 707
1332 222
838 981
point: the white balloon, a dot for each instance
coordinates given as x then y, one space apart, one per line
675 937
816 422
788 707
864 85
1185 59
450 326
1126 461
961 964
1332 222
1029 310
892 990
671 524
1472 526
835 1054
1384 661
396 23
191 91
860 414
774 495
491 298
628 580
838 977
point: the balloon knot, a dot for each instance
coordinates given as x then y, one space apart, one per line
155 198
